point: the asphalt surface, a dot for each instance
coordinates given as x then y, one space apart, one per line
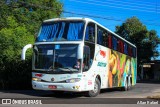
141 90
107 96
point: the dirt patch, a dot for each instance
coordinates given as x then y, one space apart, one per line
156 97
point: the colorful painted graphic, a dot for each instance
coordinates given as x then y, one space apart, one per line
120 65
115 66
103 53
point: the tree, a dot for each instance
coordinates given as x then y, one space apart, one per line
146 41
20 21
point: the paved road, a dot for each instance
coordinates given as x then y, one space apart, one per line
141 90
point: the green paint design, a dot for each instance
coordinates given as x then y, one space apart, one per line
101 64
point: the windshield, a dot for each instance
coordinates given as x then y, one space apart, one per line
61 31
56 57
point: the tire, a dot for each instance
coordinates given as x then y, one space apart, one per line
129 83
96 91
125 87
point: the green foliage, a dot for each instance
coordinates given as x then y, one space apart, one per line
146 41
20 22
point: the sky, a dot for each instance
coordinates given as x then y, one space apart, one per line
111 13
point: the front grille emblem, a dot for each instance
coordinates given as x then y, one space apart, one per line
52 79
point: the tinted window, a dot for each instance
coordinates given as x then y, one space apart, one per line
88 55
125 48
109 41
120 46
61 31
114 42
102 37
99 36
129 50
134 52
90 33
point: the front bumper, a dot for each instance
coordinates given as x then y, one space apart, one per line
74 87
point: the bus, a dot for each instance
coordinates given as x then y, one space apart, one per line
80 55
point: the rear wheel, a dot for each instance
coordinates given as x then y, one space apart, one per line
125 87
129 83
96 90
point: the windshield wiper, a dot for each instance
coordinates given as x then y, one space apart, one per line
68 69
58 70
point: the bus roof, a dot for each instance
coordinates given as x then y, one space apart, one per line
87 20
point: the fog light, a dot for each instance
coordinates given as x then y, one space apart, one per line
76 87
36 79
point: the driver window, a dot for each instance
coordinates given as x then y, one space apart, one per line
90 33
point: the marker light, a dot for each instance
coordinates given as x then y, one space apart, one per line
76 87
38 75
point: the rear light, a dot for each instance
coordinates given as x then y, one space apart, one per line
38 75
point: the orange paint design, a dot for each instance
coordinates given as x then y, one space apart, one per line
103 53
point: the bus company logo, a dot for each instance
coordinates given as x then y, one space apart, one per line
52 79
103 53
6 101
101 64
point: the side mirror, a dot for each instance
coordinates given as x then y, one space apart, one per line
80 51
23 54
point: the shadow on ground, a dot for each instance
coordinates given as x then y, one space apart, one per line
149 81
39 93
51 94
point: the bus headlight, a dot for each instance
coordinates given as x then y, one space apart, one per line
36 79
73 80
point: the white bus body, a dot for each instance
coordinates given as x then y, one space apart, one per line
62 42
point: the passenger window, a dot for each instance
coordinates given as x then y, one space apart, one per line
105 39
99 36
109 41
114 41
90 33
125 48
134 52
130 51
102 37
120 46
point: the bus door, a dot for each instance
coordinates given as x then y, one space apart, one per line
86 58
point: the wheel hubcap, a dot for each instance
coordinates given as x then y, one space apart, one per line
95 88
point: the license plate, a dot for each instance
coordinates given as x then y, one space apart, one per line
52 87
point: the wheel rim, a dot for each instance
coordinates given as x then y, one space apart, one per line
95 87
129 84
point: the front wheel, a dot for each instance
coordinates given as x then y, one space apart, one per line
96 90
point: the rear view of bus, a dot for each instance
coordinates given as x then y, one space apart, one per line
68 56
